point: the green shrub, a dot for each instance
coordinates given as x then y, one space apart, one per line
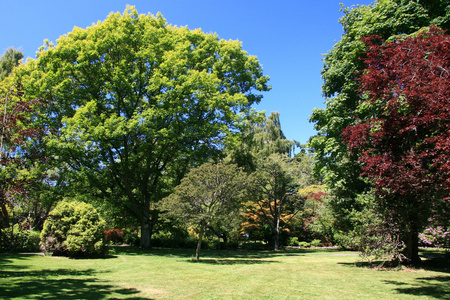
131 237
74 229
26 240
293 241
253 246
315 243
304 244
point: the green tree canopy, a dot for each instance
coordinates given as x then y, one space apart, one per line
386 18
207 193
8 61
136 101
259 139
338 166
275 185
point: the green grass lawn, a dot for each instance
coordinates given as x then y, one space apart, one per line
130 273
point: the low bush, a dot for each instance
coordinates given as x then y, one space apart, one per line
20 240
131 237
114 236
304 244
253 246
74 229
293 241
315 243
26 240
435 237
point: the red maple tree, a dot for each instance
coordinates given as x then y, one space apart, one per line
404 140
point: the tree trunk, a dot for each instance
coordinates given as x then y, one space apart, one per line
145 233
4 217
412 247
276 237
199 243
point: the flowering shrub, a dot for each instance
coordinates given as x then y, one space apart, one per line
435 237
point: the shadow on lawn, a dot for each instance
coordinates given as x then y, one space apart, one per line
20 283
211 261
184 252
434 286
437 287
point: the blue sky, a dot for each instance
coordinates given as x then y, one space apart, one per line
289 37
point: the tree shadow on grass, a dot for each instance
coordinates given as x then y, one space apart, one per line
212 261
19 283
436 287
188 252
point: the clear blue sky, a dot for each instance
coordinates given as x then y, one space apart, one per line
288 37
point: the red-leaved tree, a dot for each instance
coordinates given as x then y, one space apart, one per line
405 145
18 154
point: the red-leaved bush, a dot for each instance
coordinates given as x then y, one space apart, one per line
114 235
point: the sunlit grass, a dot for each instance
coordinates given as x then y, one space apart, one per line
132 273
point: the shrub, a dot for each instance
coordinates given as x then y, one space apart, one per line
131 238
74 229
315 243
26 240
21 240
435 237
114 236
254 246
304 244
293 241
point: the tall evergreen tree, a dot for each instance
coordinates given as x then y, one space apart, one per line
8 61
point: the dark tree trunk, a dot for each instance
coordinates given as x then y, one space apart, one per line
276 236
4 217
412 247
146 232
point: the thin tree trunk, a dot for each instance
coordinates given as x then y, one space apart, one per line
199 243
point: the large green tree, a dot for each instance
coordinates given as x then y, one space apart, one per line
338 166
137 101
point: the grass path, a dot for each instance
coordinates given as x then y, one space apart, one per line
171 274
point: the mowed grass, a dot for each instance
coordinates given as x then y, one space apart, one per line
132 273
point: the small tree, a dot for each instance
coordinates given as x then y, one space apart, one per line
74 229
275 185
207 193
19 156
